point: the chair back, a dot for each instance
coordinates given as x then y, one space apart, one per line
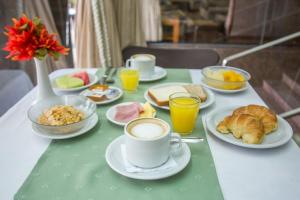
176 58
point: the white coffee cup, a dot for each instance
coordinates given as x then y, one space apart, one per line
149 142
145 63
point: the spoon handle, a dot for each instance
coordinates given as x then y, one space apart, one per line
192 139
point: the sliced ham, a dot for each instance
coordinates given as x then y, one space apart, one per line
129 112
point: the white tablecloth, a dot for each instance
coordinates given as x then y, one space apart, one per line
244 174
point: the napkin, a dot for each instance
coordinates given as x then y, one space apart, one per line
171 163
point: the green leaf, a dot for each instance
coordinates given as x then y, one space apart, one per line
24 26
36 21
41 53
55 55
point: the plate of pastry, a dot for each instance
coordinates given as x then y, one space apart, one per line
158 95
251 126
122 113
102 94
71 82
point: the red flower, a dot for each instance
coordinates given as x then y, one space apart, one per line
30 38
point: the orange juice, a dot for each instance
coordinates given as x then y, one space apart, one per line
184 111
129 79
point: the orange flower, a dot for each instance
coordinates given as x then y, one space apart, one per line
30 38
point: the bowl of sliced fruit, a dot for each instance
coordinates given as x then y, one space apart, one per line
75 81
225 77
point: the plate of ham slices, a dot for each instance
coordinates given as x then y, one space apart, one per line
122 113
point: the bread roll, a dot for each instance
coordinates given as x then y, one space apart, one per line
244 126
267 117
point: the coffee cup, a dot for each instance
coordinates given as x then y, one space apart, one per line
149 142
145 63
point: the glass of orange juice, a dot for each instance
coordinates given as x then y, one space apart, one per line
129 79
184 109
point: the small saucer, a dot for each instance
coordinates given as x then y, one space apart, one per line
159 73
114 159
90 124
120 94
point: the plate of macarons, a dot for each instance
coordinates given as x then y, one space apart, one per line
158 95
76 81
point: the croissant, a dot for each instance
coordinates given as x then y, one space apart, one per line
264 114
244 126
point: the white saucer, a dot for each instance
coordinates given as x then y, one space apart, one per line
90 124
209 101
159 73
111 112
277 138
115 161
225 91
106 101
93 80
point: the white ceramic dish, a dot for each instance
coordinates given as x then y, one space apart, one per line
159 73
277 138
106 101
89 125
111 113
93 80
115 161
225 91
209 101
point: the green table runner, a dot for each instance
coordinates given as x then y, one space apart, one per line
76 168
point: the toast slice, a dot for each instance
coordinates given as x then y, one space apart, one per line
196 90
161 95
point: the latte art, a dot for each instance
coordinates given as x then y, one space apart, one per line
147 131
142 57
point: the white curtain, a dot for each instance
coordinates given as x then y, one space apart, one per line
151 20
86 51
116 23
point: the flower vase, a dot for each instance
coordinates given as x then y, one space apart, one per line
44 87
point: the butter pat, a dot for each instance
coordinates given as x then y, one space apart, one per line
149 111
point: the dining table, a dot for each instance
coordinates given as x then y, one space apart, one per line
242 173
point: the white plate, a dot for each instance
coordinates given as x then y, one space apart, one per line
90 124
93 80
106 101
115 161
277 138
224 91
111 113
209 101
159 73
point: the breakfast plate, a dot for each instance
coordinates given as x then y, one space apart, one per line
209 101
90 124
106 101
114 159
159 73
276 138
111 113
92 80
223 90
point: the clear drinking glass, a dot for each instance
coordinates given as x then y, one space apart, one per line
184 109
129 79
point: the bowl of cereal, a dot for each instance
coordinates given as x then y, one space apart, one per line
61 114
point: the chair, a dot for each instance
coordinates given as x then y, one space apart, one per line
176 58
14 84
